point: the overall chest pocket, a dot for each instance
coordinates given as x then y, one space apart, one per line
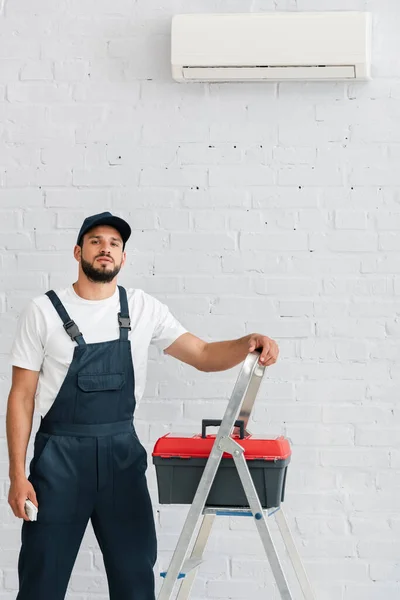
98 382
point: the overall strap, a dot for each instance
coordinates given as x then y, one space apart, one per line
70 326
123 316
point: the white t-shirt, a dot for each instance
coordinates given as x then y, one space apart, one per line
42 344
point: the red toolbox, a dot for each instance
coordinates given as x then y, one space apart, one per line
180 461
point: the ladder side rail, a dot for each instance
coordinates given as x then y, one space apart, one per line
248 371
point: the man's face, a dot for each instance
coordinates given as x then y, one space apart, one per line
102 256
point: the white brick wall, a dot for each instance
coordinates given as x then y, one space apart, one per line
254 207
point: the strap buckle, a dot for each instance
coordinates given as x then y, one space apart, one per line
124 322
72 329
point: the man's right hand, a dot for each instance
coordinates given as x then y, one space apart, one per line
21 489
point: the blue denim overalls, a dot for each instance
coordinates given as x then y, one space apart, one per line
88 463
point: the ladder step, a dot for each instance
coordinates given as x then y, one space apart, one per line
235 512
188 565
228 512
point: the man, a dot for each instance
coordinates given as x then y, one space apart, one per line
79 358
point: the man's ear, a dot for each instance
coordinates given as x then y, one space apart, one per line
77 253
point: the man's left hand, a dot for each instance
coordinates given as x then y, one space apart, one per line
269 348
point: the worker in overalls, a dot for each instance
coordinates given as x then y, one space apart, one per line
79 359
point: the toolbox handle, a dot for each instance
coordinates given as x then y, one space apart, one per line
215 422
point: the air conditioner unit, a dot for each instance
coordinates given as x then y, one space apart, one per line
271 46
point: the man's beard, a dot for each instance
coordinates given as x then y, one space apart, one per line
98 275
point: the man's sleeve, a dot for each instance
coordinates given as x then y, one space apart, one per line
27 350
167 328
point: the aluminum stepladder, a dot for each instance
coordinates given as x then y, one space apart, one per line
239 408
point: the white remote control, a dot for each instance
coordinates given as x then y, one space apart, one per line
31 510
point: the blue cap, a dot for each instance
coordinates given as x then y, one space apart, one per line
105 218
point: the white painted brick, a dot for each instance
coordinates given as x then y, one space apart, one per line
247 306
294 155
223 284
355 458
11 47
318 391
245 176
145 198
313 219
295 308
348 328
344 242
388 242
343 413
290 197
12 155
10 69
112 176
322 436
129 153
63 241
202 241
371 309
316 264
234 132
44 262
315 348
380 393
17 241
187 177
250 262
60 49
107 69
25 125
387 480
346 219
275 219
246 221
148 56
382 264
69 219
375 435
91 199
238 590
216 198
342 569
42 176
42 93
385 571
10 220
37 70
69 155
158 411
317 174
283 242
365 286
311 479
87 7
150 240
386 549
207 220
207 154
284 328
174 130
334 309
287 287
189 305
71 70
